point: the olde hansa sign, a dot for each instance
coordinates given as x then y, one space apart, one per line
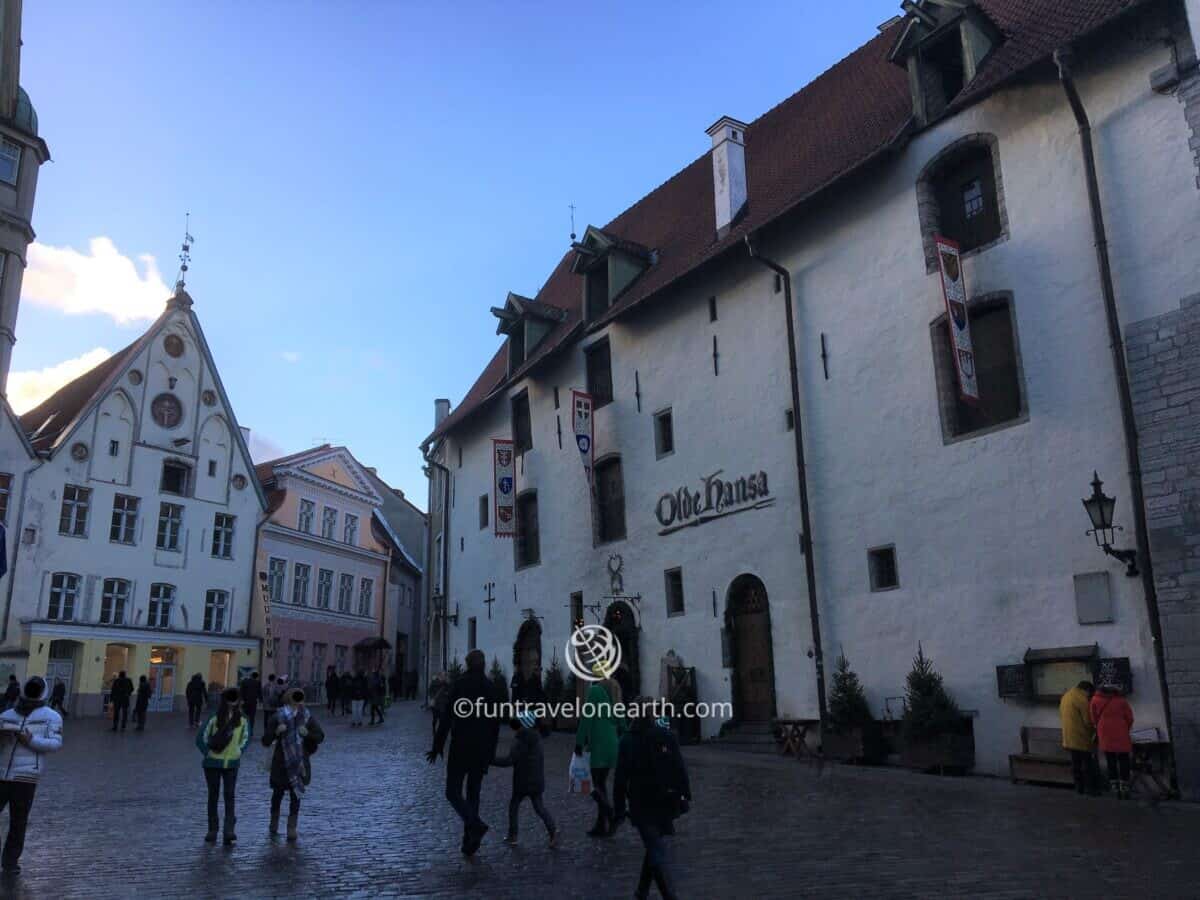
716 498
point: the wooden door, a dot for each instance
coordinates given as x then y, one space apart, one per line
752 633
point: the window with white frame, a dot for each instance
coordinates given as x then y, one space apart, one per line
317 670
276 571
345 592
328 522
10 161
295 656
74 516
366 591
162 598
64 592
113 601
5 492
301 572
170 521
222 542
324 588
308 512
340 654
124 519
350 532
215 603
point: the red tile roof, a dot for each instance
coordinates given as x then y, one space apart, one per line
842 120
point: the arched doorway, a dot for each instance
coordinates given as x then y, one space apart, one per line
527 662
620 621
748 623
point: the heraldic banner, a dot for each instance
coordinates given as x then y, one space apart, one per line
505 470
954 289
581 418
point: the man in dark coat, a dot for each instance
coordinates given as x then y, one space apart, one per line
473 736
251 694
121 691
143 703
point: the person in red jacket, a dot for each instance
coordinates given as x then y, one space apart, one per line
1113 718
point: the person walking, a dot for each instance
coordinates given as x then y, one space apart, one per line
222 739
473 735
142 704
270 700
28 732
345 689
1078 734
651 784
251 694
439 696
376 691
1113 717
196 693
598 733
12 693
58 697
528 763
358 698
119 694
296 736
332 688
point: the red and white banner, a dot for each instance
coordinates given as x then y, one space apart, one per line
581 424
505 486
954 289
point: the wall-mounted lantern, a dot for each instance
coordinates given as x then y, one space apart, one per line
1099 508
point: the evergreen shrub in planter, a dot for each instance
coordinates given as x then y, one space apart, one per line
934 734
852 735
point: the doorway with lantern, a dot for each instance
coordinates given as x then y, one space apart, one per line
162 679
748 630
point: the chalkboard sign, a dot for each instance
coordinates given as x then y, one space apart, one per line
1116 671
1014 681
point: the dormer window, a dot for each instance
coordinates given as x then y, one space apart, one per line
609 265
525 322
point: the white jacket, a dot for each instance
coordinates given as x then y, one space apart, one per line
19 762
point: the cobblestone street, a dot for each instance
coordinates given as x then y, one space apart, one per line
123 815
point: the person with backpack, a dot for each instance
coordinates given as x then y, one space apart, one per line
529 775
28 732
143 702
196 693
119 694
222 739
251 693
598 732
296 736
1113 717
12 693
652 785
332 686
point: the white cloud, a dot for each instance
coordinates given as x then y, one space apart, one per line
100 281
263 448
291 356
27 389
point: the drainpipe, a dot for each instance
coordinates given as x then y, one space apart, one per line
14 538
1063 58
252 597
445 568
806 544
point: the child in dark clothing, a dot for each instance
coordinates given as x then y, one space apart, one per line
529 777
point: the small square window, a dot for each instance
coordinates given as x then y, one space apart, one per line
664 434
175 478
881 562
485 503
674 585
212 468
10 161
576 609
114 448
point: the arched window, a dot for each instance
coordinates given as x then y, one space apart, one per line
960 196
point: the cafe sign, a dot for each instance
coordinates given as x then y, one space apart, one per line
716 498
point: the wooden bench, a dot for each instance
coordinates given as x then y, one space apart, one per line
1042 758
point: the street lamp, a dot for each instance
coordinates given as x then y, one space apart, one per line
1099 508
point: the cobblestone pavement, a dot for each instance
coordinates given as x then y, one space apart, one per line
123 816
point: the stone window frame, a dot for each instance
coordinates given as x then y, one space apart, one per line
927 203
872 578
599 538
947 389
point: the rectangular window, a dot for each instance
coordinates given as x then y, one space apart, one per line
294 660
5 493
170 522
175 478
997 371
222 542
610 501
301 572
10 162
712 309
522 427
439 566
350 530
576 609
366 592
162 598
664 434
276 572
74 517
113 601
212 468
114 448
317 671
597 290
328 522
215 603
674 583
345 592
124 519
472 632
64 591
485 504
324 588
341 655
528 542
598 359
308 512
881 564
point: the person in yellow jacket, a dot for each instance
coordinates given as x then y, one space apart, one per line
1078 734
222 739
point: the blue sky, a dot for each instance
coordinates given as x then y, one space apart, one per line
365 179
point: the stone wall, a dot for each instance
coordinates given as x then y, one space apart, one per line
1164 367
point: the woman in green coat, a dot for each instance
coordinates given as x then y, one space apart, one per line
599 730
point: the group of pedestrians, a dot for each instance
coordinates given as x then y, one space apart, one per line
1097 718
356 694
120 694
650 781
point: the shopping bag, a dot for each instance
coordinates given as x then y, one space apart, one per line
579 775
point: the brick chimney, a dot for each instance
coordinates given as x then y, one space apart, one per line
729 170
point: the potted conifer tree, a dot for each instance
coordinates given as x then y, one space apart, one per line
935 735
852 734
